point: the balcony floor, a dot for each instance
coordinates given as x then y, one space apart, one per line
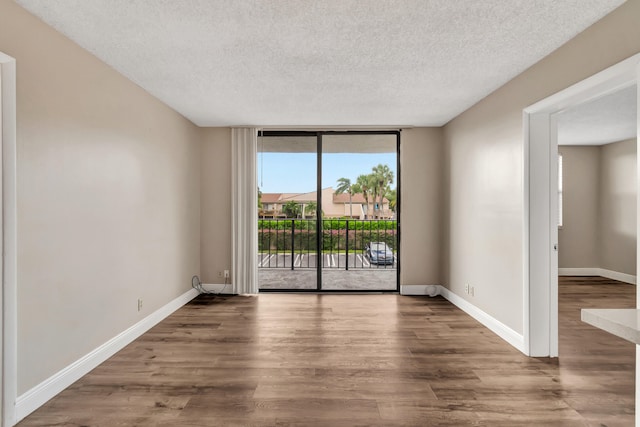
369 279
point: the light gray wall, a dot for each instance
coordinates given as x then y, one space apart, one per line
91 242
421 151
618 195
108 199
215 204
484 166
578 238
599 227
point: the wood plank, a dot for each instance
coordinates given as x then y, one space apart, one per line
349 360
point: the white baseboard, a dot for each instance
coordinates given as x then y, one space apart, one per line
40 394
218 288
622 277
579 271
497 327
595 271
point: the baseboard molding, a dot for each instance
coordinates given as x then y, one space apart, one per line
579 271
615 275
40 394
497 327
595 271
218 288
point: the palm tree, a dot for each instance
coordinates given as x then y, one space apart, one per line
291 209
364 186
392 195
344 186
310 209
383 178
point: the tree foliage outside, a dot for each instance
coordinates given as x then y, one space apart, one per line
279 234
392 196
291 209
374 187
383 178
345 186
310 209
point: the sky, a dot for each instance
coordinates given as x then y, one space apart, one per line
296 172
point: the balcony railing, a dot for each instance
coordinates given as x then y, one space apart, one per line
292 243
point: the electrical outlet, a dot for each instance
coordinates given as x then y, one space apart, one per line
466 288
139 304
473 291
226 274
219 273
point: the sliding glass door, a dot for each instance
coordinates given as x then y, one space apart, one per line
360 239
328 211
287 207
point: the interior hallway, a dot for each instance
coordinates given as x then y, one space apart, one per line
344 360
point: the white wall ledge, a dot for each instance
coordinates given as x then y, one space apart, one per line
623 323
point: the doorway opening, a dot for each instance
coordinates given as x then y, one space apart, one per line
328 211
541 201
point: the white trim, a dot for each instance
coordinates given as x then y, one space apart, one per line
602 272
586 271
9 304
616 275
497 327
637 366
612 79
526 232
218 288
40 394
491 323
540 287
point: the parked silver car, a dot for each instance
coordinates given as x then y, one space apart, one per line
379 253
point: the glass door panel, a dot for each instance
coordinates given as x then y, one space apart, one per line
287 205
359 222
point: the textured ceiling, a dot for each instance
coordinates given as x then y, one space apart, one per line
320 63
604 120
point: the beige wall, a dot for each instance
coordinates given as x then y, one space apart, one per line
421 151
421 157
92 241
108 199
484 167
599 227
618 194
215 195
578 237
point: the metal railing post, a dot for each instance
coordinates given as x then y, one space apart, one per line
269 259
347 247
293 229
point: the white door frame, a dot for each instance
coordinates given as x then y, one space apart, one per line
540 201
8 266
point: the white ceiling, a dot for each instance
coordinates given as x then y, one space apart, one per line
604 120
320 63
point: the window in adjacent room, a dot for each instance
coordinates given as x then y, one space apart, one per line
559 190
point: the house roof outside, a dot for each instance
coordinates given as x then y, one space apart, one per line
271 197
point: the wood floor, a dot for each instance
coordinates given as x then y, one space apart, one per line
355 360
